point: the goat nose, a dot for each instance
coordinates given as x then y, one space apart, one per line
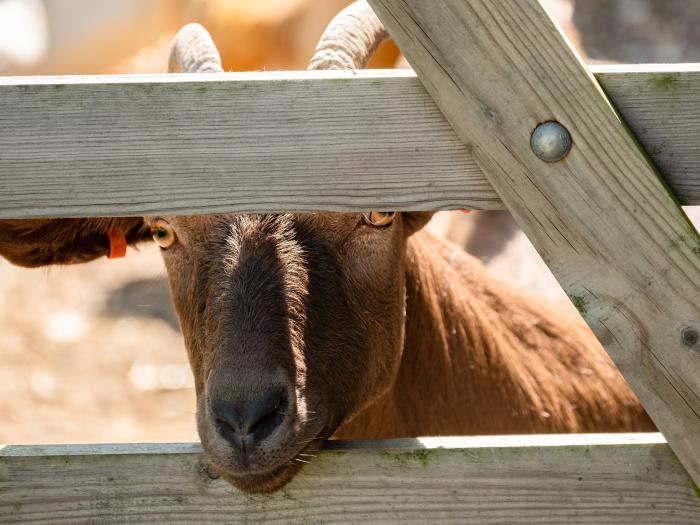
251 421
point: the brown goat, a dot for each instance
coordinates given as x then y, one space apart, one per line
299 327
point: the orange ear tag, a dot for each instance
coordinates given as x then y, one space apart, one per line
117 244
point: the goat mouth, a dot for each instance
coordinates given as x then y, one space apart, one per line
269 465
275 478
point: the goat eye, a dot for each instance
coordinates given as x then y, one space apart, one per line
163 234
381 219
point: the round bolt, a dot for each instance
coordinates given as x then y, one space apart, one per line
551 142
690 337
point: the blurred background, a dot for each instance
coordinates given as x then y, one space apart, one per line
93 353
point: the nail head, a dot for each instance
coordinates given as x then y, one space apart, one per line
551 142
690 337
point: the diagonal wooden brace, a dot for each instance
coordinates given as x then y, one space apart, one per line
603 219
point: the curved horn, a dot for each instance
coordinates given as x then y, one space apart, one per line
193 51
350 39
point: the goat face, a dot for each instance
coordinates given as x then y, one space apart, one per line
293 323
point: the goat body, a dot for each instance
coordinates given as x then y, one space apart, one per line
482 358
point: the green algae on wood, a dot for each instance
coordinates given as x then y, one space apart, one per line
694 488
421 456
580 304
665 82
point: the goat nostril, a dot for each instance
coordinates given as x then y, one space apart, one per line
252 421
228 421
226 426
267 415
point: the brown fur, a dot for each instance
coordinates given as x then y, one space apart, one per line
482 358
41 242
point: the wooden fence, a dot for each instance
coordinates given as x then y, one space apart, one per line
606 219
633 478
309 140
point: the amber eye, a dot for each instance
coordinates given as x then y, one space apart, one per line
379 218
163 234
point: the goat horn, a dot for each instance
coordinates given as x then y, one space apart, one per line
193 51
350 39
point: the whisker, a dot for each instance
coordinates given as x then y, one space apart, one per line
306 442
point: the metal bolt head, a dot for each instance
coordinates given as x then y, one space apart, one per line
551 142
690 337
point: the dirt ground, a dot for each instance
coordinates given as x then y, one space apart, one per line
92 353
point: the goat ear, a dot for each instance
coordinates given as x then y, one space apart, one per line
415 220
42 242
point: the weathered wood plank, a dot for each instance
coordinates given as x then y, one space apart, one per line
632 479
105 145
201 144
661 104
602 219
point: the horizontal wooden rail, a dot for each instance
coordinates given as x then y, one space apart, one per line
339 141
630 478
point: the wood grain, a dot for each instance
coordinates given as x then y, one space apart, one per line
632 479
201 143
603 219
661 104
304 141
